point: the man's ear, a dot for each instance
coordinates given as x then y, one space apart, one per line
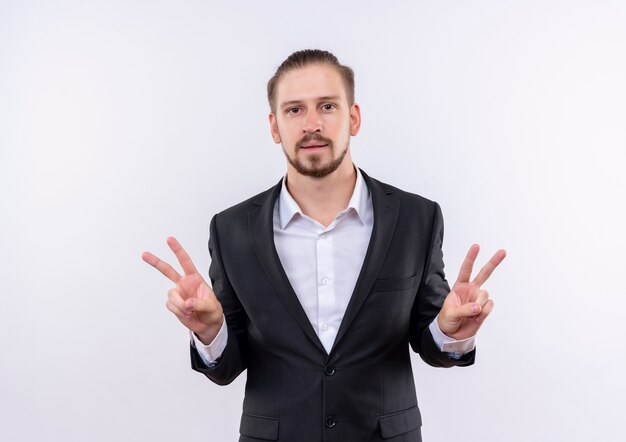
274 128
355 119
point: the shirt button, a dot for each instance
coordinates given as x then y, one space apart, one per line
325 281
323 236
329 370
325 327
330 422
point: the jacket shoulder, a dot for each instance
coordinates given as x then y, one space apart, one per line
240 210
409 198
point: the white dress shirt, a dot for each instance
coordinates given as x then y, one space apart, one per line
323 265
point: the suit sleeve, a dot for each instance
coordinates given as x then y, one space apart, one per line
233 359
430 296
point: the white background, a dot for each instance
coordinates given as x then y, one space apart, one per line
123 122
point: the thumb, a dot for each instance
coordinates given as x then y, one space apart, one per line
197 305
464 311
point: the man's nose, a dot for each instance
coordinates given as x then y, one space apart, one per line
312 122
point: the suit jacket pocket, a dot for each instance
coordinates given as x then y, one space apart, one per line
393 284
259 427
399 423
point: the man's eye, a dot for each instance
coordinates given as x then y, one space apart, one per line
293 110
328 106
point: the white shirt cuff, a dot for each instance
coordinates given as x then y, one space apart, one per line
449 345
212 352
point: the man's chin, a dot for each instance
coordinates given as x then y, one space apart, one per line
314 165
316 170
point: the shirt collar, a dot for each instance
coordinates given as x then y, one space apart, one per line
288 208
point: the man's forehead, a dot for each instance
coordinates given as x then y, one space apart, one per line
315 81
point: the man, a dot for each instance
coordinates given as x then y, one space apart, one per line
321 283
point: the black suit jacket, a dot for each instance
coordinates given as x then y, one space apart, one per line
363 390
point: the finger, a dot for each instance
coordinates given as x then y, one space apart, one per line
488 269
175 298
468 264
174 309
183 258
163 267
482 298
487 309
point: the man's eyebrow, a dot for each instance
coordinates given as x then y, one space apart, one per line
325 98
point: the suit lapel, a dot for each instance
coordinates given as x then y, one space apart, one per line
385 218
261 228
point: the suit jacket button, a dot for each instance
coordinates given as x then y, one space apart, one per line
330 422
329 370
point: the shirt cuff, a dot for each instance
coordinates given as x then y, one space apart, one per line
454 347
212 352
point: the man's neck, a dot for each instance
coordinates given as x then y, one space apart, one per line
323 198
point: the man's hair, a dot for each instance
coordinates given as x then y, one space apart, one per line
306 57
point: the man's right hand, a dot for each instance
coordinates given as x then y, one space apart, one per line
192 300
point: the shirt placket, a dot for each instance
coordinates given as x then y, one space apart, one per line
326 289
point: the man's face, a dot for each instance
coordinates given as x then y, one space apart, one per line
313 119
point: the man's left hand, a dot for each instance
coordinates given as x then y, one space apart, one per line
467 306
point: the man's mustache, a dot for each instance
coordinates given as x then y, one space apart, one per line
314 137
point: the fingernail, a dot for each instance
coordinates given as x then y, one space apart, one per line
475 308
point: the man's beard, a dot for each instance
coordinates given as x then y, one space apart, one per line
315 168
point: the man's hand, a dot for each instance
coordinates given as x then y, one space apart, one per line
192 300
467 305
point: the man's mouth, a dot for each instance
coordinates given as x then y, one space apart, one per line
313 142
313 146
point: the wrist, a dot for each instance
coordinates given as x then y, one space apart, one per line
445 328
207 335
